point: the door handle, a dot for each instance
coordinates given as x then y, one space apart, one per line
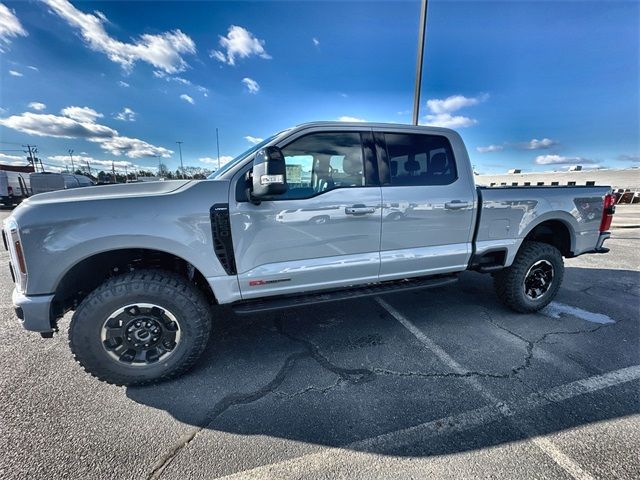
456 205
359 210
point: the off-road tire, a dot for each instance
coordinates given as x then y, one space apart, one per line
166 289
508 283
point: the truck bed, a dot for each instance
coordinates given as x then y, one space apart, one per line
508 214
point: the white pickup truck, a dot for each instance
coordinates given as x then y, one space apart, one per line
319 212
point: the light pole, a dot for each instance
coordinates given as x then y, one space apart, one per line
71 156
218 147
181 166
422 32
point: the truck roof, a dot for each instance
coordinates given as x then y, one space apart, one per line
403 126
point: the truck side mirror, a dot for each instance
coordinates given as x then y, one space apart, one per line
269 174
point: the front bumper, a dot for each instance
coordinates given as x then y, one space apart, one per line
34 311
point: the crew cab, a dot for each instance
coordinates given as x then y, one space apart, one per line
320 212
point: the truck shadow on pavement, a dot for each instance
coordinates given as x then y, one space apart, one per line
336 374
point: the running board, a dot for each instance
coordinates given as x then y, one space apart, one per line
276 303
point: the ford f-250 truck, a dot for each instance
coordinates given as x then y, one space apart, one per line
316 213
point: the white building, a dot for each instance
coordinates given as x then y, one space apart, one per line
626 179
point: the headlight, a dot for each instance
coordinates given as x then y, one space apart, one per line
12 238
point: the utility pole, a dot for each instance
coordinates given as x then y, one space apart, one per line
181 166
422 32
113 171
89 167
73 168
31 151
218 147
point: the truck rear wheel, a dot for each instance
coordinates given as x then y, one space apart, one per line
140 328
533 279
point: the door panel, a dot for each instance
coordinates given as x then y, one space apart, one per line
299 245
324 232
426 228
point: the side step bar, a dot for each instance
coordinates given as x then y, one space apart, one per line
246 307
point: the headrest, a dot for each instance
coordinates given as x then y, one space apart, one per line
394 168
412 166
351 165
439 163
321 168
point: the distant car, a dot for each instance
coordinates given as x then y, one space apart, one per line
14 187
51 182
146 266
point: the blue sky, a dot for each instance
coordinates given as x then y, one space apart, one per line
534 85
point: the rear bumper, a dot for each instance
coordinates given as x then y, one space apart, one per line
599 248
33 311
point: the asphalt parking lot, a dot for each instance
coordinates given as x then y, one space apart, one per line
443 383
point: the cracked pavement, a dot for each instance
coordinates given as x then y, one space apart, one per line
345 390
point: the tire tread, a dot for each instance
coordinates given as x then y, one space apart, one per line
507 282
150 281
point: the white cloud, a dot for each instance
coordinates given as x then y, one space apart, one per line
253 140
630 158
183 81
13 159
446 120
132 147
123 84
315 41
239 43
441 110
46 125
251 84
346 118
126 115
490 148
80 123
535 144
10 26
164 51
187 98
81 114
214 161
561 160
37 106
31 67
15 73
454 103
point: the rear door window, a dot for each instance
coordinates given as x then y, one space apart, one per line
417 159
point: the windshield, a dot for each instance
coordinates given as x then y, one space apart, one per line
227 166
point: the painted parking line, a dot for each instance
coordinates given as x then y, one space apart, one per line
461 422
557 310
544 444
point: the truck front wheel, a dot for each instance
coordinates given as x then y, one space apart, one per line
140 328
533 279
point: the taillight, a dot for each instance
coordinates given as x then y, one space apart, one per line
608 210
